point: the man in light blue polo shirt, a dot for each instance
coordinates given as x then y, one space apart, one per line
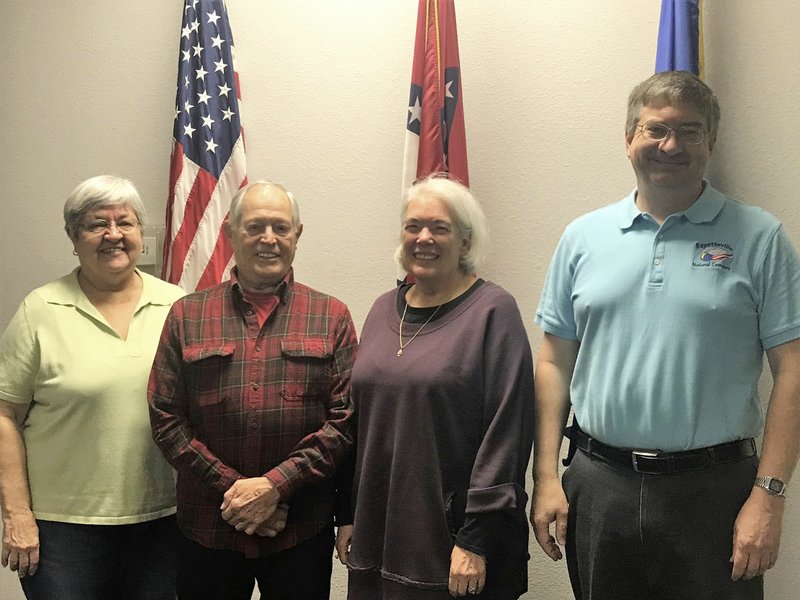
657 311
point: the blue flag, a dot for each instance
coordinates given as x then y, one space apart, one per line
679 42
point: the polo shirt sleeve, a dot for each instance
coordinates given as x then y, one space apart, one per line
19 359
779 282
555 314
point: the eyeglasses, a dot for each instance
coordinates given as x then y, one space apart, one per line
658 132
99 226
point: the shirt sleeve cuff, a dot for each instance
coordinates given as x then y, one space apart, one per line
280 483
477 532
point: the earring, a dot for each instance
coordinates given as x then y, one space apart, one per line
75 253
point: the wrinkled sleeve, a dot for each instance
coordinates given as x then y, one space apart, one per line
169 412
498 475
779 282
555 313
318 454
19 359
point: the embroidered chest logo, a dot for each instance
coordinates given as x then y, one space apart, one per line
713 254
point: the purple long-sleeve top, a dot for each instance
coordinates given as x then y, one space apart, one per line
444 439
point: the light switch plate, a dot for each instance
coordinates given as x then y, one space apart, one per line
148 256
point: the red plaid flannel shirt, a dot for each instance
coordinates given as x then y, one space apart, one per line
230 400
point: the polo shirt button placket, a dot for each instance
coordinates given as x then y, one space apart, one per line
657 264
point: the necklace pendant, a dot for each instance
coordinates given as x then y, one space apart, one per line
400 352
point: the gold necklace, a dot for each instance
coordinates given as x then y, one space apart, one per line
402 345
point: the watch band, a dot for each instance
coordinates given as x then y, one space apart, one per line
773 486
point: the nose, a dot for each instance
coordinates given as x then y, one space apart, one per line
424 235
112 232
268 236
671 144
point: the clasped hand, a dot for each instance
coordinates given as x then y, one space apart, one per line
251 505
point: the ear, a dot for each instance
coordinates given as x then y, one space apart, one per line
466 244
228 228
299 230
628 140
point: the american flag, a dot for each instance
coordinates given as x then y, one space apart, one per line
435 136
716 255
208 162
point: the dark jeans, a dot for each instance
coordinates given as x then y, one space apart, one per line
656 537
302 572
99 562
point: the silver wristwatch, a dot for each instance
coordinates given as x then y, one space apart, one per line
773 485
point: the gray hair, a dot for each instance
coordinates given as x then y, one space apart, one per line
235 211
673 87
468 217
101 191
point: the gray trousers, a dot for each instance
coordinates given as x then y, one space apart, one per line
632 536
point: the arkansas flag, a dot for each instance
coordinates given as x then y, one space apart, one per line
435 136
680 37
208 163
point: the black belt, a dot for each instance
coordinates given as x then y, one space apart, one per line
655 462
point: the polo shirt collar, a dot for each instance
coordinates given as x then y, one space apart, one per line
67 292
704 210
154 292
628 212
707 206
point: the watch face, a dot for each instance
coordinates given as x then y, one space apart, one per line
776 486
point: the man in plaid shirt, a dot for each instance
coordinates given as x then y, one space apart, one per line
249 401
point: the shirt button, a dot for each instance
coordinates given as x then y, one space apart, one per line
255 385
661 236
657 262
249 313
258 348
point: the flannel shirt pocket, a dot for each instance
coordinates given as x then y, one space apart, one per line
205 366
307 362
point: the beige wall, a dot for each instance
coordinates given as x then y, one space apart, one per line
88 88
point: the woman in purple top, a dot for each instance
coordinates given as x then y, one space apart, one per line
443 389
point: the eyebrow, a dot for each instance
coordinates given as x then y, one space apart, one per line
268 220
115 219
433 222
680 123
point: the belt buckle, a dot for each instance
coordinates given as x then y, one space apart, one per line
636 454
